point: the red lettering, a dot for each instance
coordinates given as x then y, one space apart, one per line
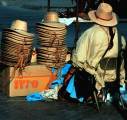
24 84
34 84
21 82
16 84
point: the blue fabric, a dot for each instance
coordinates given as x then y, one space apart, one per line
71 88
123 92
60 76
57 82
53 69
34 97
63 71
122 88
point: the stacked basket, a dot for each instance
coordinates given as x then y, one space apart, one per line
16 44
52 51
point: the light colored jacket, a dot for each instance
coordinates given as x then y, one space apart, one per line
90 48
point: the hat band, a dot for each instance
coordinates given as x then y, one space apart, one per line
102 18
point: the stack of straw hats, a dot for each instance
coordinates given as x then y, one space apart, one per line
16 44
51 34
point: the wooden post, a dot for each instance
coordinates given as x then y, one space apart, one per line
48 8
76 24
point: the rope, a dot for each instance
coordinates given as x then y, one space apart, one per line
56 54
22 53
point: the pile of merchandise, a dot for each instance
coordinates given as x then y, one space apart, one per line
51 34
16 45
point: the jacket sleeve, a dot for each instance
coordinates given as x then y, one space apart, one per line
99 45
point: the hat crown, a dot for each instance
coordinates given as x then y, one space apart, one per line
104 12
51 17
19 25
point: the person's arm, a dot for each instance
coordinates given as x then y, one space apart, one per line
99 45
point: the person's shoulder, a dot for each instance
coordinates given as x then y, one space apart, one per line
95 30
99 30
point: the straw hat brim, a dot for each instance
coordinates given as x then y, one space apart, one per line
9 31
16 36
21 39
15 41
50 57
51 29
52 25
51 54
51 36
63 32
50 39
52 49
51 44
24 33
112 22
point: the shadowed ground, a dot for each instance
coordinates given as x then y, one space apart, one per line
19 109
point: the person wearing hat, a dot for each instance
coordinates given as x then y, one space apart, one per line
96 53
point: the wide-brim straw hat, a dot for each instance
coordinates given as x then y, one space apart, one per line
11 40
53 31
51 19
53 49
20 27
50 39
11 37
14 49
11 59
52 54
51 34
52 44
51 16
51 26
15 34
104 15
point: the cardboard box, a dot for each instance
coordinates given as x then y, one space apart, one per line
34 78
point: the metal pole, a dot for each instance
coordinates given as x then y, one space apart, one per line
77 23
48 9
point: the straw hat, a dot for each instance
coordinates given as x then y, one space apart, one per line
104 15
14 41
20 27
51 19
51 30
